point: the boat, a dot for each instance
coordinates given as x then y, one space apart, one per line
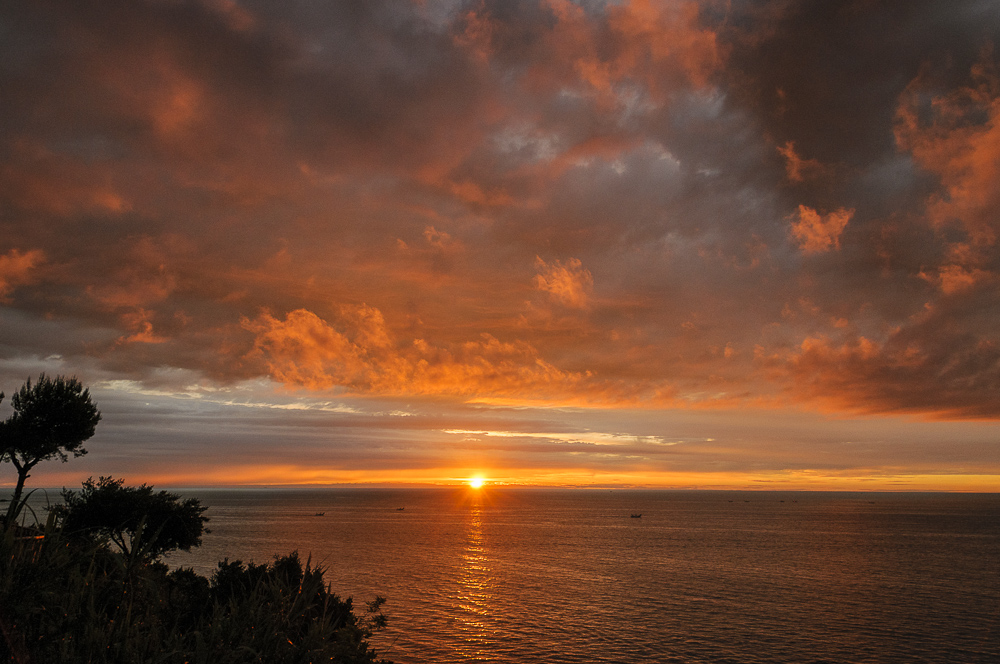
320 513
637 516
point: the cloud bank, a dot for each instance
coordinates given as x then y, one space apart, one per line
683 204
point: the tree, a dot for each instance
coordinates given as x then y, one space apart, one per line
142 524
51 418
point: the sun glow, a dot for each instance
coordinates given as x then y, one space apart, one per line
476 482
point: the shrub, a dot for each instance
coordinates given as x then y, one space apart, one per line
140 523
66 599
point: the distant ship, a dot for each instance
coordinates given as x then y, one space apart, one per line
637 516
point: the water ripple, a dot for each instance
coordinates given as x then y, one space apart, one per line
567 576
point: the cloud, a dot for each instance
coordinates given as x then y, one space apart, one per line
561 222
569 283
929 367
385 178
816 233
956 278
304 350
597 52
955 134
142 328
16 267
797 168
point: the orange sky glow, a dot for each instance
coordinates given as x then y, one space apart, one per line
685 244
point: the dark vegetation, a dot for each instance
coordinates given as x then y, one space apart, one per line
51 418
89 585
139 523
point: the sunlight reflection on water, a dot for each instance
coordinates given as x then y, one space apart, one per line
475 588
531 577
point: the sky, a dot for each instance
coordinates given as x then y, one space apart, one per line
715 244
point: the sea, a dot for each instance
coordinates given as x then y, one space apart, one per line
533 576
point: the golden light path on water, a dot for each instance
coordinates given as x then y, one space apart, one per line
476 586
508 574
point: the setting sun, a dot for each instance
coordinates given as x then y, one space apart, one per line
476 482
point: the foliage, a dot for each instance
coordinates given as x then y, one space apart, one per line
52 418
140 523
67 596
66 599
294 616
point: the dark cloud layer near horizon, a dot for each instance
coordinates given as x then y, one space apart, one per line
652 204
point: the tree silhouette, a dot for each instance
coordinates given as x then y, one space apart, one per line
142 524
52 418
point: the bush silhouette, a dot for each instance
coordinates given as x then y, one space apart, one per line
74 599
140 523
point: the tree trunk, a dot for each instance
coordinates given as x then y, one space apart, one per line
15 507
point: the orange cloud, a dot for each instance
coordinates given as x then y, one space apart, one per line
437 239
304 350
606 55
42 181
659 35
956 278
361 356
925 368
475 36
141 325
569 283
144 277
292 163
816 233
16 268
643 42
959 140
797 168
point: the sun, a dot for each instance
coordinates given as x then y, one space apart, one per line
476 482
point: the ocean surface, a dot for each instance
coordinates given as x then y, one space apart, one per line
525 576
